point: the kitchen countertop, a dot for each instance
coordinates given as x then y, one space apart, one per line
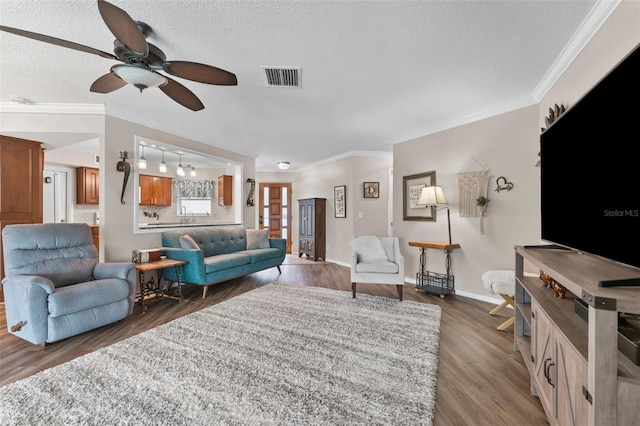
152 225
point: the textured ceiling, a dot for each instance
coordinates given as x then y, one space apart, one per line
374 73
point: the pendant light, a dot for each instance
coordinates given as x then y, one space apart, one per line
142 162
180 170
163 165
193 171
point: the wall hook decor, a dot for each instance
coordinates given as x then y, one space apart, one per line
125 167
251 190
504 185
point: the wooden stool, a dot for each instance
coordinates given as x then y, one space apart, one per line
502 282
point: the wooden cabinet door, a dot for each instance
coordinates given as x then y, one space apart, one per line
21 175
225 190
87 185
146 190
544 360
162 191
572 407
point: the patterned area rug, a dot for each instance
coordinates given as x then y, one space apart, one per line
277 355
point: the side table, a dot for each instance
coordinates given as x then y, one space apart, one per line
433 282
150 286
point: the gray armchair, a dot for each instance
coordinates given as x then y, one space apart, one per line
376 260
54 285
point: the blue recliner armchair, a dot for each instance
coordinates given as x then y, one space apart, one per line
54 285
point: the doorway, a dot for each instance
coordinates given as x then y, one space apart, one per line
275 211
55 206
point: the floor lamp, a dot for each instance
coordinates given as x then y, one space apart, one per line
433 196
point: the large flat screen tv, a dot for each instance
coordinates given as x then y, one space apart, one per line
590 169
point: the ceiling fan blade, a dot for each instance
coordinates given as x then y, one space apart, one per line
181 95
123 27
200 72
57 42
107 83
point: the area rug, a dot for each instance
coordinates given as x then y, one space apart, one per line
277 355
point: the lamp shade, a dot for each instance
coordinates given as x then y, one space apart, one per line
432 196
139 76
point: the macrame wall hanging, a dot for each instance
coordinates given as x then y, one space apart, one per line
192 188
473 183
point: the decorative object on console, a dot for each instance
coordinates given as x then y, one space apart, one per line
371 189
412 188
554 285
433 196
340 201
554 113
125 167
504 186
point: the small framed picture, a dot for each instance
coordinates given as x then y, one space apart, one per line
371 189
340 200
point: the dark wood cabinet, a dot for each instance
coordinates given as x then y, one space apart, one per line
87 185
225 190
155 190
312 235
21 175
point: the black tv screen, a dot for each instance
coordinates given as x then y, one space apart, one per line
590 169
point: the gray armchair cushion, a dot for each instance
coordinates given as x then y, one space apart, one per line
369 249
65 255
76 298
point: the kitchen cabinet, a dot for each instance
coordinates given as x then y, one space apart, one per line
155 190
87 185
21 175
95 232
225 190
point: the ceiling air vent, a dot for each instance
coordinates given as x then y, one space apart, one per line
282 76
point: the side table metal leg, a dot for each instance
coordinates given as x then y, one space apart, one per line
179 276
142 292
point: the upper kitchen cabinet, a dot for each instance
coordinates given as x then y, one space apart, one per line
225 190
87 185
155 190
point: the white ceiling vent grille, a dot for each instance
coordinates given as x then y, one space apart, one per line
282 76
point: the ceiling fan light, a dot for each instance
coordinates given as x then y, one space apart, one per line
138 76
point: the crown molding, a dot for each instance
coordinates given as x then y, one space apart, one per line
596 18
71 109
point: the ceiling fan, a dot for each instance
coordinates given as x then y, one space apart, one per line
141 60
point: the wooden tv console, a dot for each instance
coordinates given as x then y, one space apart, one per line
576 369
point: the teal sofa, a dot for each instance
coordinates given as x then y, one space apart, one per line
221 253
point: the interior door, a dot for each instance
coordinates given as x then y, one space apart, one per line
275 210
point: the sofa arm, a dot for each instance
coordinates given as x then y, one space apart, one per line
399 260
26 300
280 243
193 272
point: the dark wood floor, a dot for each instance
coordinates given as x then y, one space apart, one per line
481 380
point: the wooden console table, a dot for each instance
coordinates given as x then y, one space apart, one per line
433 282
150 286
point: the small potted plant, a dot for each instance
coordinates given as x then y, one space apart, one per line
481 203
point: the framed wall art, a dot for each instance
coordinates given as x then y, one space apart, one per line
412 186
340 201
371 190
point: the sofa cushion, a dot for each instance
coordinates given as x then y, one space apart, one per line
225 261
385 267
257 239
187 242
258 255
80 297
